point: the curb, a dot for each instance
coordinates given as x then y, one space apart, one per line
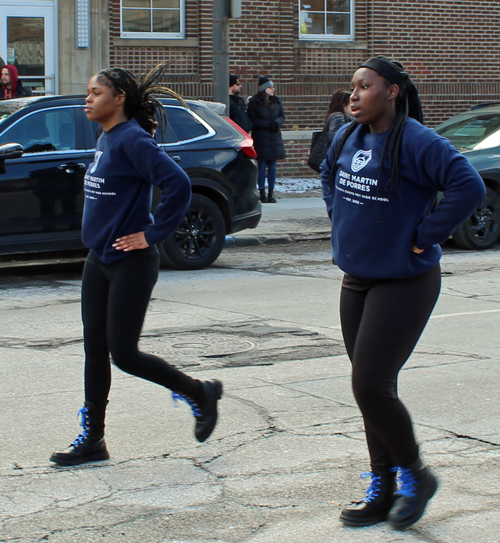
255 241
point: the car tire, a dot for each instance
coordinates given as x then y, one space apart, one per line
482 229
199 239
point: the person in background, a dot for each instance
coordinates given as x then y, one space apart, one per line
123 263
237 108
380 179
337 114
11 85
267 116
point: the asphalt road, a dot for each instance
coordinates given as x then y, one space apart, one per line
289 447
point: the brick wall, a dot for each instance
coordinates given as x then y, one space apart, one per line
448 46
297 144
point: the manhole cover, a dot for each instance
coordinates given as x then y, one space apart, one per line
197 345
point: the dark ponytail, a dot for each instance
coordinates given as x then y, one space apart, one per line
140 102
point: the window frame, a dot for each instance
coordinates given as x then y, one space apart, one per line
210 130
156 35
79 146
329 37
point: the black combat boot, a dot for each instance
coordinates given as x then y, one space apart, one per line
89 445
263 197
270 197
416 486
204 411
376 505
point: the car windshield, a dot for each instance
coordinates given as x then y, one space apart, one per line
473 132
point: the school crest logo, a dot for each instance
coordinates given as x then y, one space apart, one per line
360 160
97 157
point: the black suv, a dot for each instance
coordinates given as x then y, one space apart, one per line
47 143
476 134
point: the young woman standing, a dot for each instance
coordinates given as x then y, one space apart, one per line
265 111
122 266
337 113
380 181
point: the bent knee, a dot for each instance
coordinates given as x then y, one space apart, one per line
125 360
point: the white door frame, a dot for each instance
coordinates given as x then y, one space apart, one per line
35 8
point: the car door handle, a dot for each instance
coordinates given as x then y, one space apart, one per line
73 167
177 158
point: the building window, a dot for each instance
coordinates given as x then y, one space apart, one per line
326 19
152 18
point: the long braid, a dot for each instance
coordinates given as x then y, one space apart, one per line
345 136
140 102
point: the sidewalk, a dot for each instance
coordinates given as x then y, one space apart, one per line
292 218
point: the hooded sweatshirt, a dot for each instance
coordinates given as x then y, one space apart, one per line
374 227
119 189
16 87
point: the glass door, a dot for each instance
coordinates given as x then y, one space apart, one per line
28 43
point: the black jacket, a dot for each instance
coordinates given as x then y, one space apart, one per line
238 112
266 125
20 91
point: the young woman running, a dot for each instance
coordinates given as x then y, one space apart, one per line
380 181
122 266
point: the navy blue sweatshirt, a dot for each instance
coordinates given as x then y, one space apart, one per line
119 189
373 228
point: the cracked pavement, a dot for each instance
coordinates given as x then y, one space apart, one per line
289 447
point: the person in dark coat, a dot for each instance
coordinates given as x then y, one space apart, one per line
11 86
237 107
267 116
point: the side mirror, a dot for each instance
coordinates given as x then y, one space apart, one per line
11 150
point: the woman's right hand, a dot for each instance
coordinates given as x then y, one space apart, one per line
132 242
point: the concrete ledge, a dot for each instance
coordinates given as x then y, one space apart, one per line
297 135
280 239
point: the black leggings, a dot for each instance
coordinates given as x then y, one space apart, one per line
382 321
115 298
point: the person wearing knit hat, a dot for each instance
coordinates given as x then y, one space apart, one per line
266 113
237 107
11 86
264 83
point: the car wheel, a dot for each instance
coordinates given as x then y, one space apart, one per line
482 229
199 240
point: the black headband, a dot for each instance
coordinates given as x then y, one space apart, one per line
388 71
407 90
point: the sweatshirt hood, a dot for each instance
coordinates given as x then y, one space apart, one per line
14 76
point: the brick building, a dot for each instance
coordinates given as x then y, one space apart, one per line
311 47
308 47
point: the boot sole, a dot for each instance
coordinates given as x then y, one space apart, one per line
77 461
360 523
406 523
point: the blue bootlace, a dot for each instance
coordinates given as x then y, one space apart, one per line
194 406
373 490
407 485
84 424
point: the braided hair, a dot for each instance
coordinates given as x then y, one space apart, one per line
140 102
407 105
